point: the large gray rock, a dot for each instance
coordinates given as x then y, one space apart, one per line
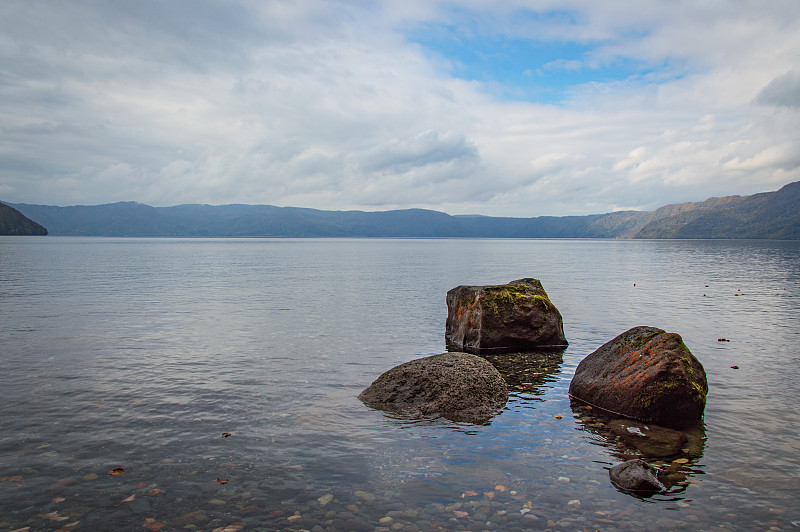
646 374
457 386
514 317
637 477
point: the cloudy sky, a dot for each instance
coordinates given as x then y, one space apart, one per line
517 108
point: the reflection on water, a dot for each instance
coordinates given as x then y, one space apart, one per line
675 454
525 373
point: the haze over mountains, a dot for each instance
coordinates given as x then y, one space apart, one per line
765 215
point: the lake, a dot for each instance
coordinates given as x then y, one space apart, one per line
211 384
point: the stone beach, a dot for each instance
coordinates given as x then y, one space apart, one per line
501 503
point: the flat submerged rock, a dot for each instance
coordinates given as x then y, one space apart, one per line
649 439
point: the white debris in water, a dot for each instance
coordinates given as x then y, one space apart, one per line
636 430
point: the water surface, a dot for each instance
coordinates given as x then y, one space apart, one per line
140 353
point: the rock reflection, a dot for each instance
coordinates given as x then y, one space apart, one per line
525 373
675 454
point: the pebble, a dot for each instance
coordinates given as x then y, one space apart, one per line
493 507
365 496
197 515
139 506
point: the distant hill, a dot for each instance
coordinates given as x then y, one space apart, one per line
766 215
13 222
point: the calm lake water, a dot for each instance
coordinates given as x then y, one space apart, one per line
140 353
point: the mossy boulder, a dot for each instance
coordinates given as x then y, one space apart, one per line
456 386
513 317
647 374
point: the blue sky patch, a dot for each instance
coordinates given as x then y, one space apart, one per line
521 69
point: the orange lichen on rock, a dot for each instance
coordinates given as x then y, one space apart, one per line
646 374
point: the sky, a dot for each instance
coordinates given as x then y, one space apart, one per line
513 108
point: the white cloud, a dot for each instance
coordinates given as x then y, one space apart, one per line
782 157
783 91
563 64
326 104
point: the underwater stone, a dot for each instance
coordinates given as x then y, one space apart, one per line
636 476
649 439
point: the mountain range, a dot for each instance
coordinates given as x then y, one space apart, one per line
773 215
13 222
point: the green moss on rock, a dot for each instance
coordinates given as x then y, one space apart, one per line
502 318
497 298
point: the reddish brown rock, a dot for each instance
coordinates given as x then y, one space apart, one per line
514 317
457 386
646 374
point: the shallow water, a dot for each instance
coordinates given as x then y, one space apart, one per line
140 353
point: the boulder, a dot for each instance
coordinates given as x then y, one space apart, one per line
637 477
645 374
649 439
514 317
457 386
